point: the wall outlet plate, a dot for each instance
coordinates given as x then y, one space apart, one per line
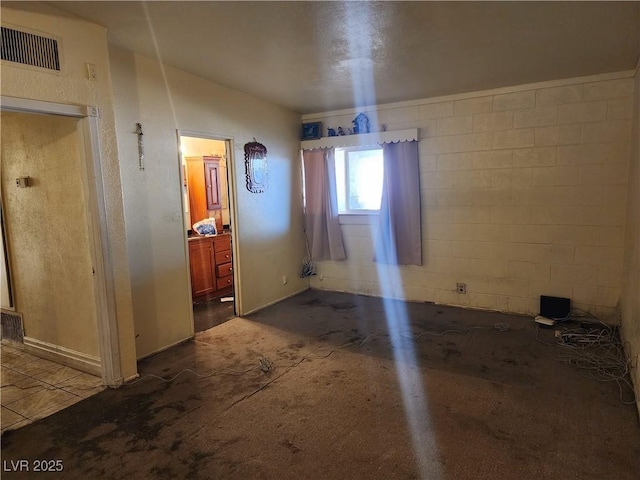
461 287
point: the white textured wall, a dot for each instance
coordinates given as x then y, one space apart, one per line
523 194
631 280
269 228
82 43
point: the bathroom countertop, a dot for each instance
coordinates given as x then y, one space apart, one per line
198 237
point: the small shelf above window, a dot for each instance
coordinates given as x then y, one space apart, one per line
362 139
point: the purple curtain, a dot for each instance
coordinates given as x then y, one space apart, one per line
399 239
321 205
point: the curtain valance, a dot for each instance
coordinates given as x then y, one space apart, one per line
362 139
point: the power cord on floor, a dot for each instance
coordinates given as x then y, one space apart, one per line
224 371
501 327
266 366
581 316
596 350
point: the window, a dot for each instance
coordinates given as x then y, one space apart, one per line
359 173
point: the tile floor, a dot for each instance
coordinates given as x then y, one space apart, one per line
34 388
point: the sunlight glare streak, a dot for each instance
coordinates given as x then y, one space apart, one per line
409 373
358 27
361 26
154 39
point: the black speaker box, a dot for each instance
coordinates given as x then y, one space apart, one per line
554 307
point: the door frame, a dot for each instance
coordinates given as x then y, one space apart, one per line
233 210
99 241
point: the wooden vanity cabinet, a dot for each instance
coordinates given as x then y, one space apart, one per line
223 263
211 266
201 260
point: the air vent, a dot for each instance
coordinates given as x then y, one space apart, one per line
12 328
29 49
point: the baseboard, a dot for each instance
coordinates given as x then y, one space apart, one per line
244 314
63 356
131 378
167 347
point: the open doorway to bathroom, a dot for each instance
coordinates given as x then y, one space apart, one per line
205 164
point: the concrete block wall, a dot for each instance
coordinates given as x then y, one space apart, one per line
524 193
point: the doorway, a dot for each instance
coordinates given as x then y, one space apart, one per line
48 236
56 305
56 245
205 162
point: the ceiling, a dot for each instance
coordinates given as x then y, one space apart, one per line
319 56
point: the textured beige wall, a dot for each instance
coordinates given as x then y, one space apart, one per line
82 43
631 280
269 230
47 230
523 194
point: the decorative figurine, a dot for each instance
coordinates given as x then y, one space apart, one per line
361 124
341 131
331 132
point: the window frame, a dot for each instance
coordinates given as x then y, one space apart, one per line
347 211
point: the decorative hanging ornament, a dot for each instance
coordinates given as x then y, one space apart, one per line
255 163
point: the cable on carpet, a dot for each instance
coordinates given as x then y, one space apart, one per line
266 366
501 327
596 350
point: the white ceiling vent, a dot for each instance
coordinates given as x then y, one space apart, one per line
29 49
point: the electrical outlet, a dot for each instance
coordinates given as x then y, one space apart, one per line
461 287
321 277
284 279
